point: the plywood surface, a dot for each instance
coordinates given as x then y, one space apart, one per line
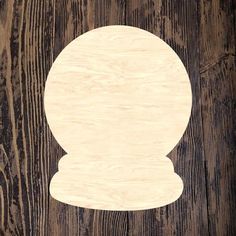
33 33
117 99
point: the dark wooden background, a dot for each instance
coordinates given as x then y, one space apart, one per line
33 33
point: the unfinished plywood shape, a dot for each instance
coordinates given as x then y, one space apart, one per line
117 99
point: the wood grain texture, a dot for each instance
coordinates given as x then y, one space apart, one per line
117 100
218 86
25 138
177 23
69 25
33 33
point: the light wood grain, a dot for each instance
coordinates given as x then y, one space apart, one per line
117 99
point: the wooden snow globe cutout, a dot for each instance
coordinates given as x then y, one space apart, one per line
117 99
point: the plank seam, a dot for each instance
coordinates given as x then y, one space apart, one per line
201 116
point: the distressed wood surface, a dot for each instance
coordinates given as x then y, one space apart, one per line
177 23
32 34
218 98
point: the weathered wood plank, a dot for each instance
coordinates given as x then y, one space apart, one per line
32 35
176 22
218 88
72 18
25 59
